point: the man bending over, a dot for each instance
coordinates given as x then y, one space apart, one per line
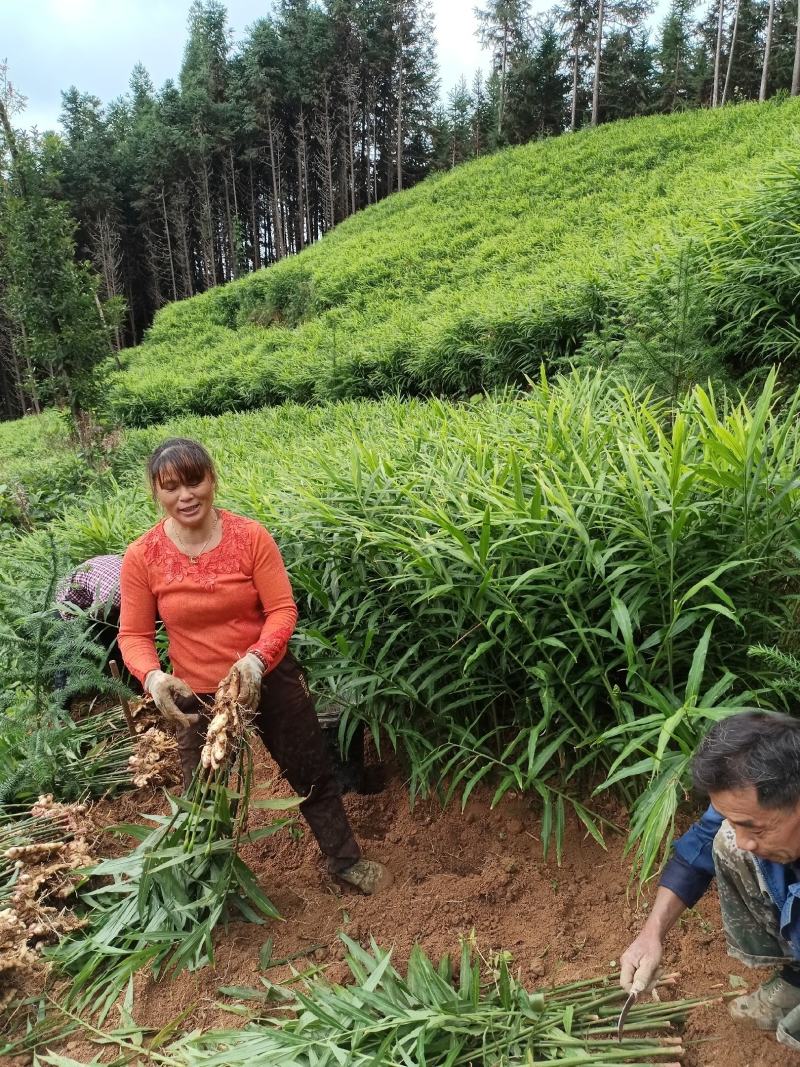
749 767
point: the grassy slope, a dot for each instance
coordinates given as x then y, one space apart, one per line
467 280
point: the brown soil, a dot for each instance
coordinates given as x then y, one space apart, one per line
453 873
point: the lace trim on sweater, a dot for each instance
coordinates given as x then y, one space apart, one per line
226 558
274 646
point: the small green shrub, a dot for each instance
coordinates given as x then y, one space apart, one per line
750 273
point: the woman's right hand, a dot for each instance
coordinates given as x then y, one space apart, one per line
163 688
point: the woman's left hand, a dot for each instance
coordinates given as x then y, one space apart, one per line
250 670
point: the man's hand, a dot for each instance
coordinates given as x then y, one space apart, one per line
250 670
163 688
639 962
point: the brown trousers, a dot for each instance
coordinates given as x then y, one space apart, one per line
286 721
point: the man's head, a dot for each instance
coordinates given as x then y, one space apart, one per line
749 766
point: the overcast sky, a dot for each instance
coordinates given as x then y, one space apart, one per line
94 44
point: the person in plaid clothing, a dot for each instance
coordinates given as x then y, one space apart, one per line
92 589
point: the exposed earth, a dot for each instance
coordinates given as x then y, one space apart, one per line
453 873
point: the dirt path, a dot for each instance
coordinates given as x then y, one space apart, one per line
453 873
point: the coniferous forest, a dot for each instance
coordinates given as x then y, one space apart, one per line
257 150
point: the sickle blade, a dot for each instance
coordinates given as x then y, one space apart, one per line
623 1015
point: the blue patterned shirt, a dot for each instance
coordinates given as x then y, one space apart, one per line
691 869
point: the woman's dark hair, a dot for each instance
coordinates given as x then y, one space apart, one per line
753 748
182 457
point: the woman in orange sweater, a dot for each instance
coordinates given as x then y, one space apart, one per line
218 583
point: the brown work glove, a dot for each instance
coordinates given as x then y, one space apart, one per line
250 670
163 688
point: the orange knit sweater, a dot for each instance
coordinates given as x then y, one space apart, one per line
236 597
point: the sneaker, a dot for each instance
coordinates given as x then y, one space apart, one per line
367 875
766 1007
788 1032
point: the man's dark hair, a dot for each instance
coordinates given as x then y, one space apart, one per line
753 748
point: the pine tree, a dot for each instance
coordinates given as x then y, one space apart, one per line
459 118
575 18
762 92
629 76
50 300
482 116
538 88
674 78
501 27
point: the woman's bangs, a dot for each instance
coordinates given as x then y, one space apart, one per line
183 467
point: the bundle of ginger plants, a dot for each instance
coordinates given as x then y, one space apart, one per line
159 904
42 859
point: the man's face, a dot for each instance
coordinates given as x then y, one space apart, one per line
769 833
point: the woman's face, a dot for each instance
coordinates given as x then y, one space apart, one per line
188 503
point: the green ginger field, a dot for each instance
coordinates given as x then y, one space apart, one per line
535 583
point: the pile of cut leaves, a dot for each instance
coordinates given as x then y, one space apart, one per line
434 1017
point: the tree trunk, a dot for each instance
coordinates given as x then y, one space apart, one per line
155 294
207 228
326 136
233 185
598 48
762 95
387 140
574 114
311 234
104 324
329 154
280 242
169 245
677 73
501 104
188 272
233 266
796 68
268 229
300 142
717 54
254 220
366 151
352 158
730 52
400 101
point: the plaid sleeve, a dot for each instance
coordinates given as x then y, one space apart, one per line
94 582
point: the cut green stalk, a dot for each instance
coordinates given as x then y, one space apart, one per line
429 1017
168 895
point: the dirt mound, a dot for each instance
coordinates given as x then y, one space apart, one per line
455 873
